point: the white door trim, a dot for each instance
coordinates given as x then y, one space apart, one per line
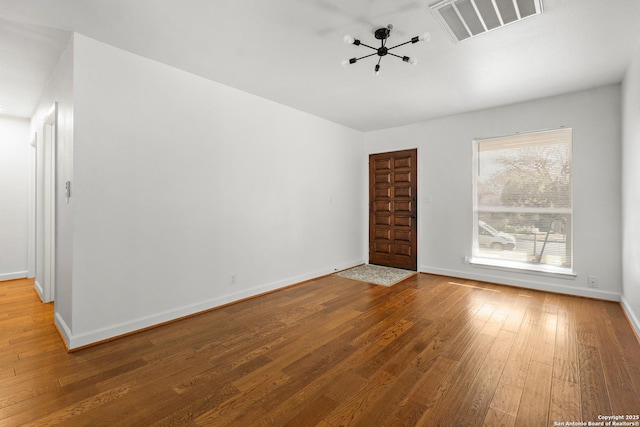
49 146
33 191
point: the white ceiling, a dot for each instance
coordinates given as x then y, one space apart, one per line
289 51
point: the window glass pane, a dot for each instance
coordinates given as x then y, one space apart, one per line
522 199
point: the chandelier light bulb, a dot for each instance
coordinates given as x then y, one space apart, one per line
344 62
348 39
410 60
424 37
376 70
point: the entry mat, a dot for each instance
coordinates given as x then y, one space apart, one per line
376 274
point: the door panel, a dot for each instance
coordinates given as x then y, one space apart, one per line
393 209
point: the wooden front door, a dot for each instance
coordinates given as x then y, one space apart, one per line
393 210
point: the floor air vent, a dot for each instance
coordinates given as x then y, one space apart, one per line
464 19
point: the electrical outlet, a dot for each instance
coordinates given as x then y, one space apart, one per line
234 279
592 281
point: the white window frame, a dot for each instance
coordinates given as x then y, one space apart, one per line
533 138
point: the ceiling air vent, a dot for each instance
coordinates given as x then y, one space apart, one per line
464 19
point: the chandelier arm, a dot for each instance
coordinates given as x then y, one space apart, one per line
397 56
366 45
398 45
366 56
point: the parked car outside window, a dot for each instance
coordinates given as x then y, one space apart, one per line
494 239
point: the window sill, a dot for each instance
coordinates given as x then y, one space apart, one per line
523 267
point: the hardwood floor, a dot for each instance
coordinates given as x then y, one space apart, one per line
429 351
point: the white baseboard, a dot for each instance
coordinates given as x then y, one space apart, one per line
63 328
75 341
523 283
39 290
13 276
630 314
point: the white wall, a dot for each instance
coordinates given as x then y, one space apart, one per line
445 151
181 182
14 197
631 191
58 89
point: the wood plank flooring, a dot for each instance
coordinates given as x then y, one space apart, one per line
429 351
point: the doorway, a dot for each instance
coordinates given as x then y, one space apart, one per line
393 230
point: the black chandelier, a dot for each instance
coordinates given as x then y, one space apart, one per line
383 34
